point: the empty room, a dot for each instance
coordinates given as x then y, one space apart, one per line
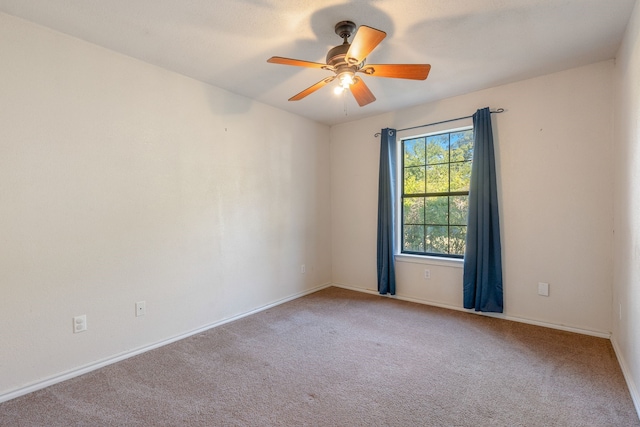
341 213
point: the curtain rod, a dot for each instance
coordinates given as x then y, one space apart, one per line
498 111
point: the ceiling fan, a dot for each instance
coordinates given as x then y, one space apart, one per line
347 59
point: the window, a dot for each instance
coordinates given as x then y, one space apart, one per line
436 170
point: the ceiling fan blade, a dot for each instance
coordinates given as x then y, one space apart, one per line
364 42
397 71
312 89
361 92
298 63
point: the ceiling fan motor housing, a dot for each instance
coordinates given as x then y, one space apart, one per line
337 59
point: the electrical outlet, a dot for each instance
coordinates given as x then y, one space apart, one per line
303 269
543 289
141 308
427 273
79 323
620 310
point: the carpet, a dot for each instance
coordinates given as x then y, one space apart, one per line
344 358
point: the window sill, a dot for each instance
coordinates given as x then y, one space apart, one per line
430 260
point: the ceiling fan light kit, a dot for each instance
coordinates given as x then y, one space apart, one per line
347 59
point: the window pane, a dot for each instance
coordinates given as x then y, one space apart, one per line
438 178
462 145
460 176
437 240
437 210
414 180
413 239
413 210
458 210
414 152
457 239
438 149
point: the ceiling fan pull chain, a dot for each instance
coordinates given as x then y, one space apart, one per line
344 98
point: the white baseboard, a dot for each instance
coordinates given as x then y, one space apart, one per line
626 372
598 334
122 356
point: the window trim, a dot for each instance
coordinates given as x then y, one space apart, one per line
452 260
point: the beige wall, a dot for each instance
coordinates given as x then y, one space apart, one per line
555 174
626 288
122 182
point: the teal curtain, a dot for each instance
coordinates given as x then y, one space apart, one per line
386 212
482 275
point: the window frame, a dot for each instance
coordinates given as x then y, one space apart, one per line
401 196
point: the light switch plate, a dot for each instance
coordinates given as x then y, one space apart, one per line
543 289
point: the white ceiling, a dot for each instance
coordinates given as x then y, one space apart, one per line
471 44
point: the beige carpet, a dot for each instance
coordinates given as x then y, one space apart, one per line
342 358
